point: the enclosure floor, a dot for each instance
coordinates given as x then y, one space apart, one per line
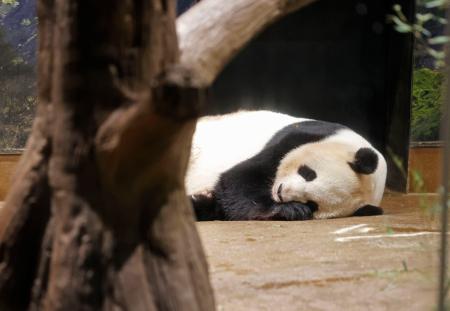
388 262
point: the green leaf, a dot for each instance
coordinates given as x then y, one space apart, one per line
426 108
400 25
422 30
398 162
17 60
441 20
397 7
435 3
25 22
439 40
439 63
436 54
418 182
10 2
423 18
403 28
405 266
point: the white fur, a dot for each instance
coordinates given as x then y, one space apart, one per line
220 142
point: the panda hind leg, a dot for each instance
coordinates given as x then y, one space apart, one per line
206 207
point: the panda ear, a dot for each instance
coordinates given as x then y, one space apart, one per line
365 161
368 210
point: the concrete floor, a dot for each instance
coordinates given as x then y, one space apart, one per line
386 262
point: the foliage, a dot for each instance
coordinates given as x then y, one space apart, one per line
11 2
17 77
17 98
428 31
427 27
426 107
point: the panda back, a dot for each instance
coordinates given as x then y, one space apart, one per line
221 142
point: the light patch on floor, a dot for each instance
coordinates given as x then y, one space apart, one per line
348 229
382 236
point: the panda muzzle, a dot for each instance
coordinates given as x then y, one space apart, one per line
280 188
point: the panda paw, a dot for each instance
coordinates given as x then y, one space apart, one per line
206 207
293 211
368 210
206 194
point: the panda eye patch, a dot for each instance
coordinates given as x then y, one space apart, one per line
307 173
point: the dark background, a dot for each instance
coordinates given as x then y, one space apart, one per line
334 60
337 61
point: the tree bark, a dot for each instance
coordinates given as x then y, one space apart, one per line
97 218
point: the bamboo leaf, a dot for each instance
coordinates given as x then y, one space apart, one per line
423 18
400 25
435 3
439 55
10 2
439 40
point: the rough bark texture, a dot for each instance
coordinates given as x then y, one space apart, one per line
213 31
97 218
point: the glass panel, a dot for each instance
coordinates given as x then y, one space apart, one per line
18 41
428 78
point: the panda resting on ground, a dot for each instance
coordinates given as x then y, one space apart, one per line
262 165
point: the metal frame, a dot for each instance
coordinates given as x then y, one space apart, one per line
445 136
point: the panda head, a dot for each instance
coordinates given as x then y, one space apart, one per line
337 178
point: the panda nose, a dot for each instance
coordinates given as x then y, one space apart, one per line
280 188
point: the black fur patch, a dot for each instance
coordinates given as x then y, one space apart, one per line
205 208
307 173
313 206
291 211
244 191
365 162
368 210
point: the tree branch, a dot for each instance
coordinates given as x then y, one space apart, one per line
213 31
26 211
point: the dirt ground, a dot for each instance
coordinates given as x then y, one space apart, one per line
386 262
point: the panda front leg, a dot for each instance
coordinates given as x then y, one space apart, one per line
292 211
244 193
265 209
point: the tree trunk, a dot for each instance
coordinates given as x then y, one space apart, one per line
97 218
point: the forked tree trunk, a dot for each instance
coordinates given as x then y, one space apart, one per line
103 221
97 218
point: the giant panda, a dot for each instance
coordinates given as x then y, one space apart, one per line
263 165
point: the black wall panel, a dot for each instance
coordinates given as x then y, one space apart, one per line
334 60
